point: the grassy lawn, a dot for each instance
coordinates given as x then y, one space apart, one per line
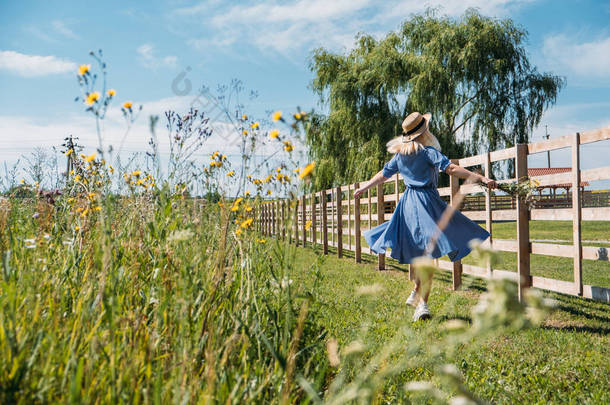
564 361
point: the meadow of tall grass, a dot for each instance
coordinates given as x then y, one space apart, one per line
123 287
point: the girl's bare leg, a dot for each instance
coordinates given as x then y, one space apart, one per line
426 293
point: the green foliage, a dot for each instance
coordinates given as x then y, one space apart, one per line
471 73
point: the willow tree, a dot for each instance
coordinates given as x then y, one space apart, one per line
471 73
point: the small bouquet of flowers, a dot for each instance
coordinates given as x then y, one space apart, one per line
522 188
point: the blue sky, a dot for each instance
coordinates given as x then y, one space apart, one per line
267 45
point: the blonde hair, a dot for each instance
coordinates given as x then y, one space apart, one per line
397 145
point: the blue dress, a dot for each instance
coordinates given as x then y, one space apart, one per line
420 207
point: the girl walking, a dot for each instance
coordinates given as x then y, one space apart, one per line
418 158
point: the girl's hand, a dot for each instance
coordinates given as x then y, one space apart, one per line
491 184
359 192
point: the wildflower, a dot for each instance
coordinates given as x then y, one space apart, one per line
246 224
90 158
247 193
244 117
245 132
288 146
234 208
268 192
261 241
83 69
277 116
231 173
274 133
136 173
22 181
91 196
77 177
268 179
297 116
255 125
77 228
127 105
220 204
298 169
223 157
307 170
111 92
238 232
307 225
69 152
111 169
181 235
92 98
98 208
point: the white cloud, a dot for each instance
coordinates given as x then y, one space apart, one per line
61 28
291 27
34 65
583 59
149 59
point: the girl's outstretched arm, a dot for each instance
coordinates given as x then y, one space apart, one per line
458 171
376 179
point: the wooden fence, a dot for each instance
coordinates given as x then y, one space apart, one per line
334 218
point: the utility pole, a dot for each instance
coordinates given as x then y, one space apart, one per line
548 152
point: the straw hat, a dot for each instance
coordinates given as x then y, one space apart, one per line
414 125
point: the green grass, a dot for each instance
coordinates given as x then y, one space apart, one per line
564 361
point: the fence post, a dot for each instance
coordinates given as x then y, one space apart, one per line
283 219
358 254
349 219
454 184
576 214
304 219
488 215
295 224
314 238
324 225
523 229
339 214
380 220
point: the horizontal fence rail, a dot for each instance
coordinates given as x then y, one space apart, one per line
333 218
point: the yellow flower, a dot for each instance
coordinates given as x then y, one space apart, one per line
69 152
298 169
127 105
77 228
277 116
244 117
268 192
223 157
220 204
274 133
231 173
136 173
77 178
83 69
268 179
262 241
111 92
98 208
248 209
92 98
246 223
139 182
307 170
307 225
247 193
234 208
245 132
255 125
215 155
91 196
288 146
90 158
297 116
237 201
238 232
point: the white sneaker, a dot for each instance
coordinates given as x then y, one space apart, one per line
421 312
413 299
